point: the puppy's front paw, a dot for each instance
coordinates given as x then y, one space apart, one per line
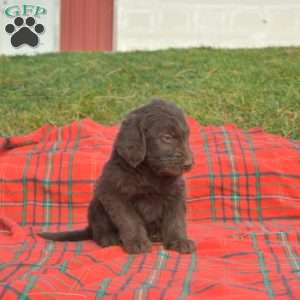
181 246
137 246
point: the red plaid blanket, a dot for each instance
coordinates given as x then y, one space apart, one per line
243 212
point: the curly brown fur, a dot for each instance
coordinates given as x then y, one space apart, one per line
140 196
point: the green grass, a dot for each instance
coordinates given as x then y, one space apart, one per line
252 88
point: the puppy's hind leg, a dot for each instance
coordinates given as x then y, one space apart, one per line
105 234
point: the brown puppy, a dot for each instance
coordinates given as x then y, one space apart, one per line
140 196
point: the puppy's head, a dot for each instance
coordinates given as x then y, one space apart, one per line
157 135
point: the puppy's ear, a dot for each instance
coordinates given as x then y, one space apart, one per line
130 142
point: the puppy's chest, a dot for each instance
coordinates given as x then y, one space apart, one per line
149 206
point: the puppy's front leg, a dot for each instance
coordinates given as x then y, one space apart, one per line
129 224
174 226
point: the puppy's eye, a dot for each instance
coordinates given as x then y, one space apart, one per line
166 138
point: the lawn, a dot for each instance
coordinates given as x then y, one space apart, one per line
252 88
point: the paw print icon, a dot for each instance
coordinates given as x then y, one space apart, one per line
24 32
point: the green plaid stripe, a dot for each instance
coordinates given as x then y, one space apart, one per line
42 259
7 287
36 168
276 258
188 278
25 248
70 172
25 177
25 188
47 181
78 248
132 274
293 258
60 179
211 175
257 176
235 197
103 287
127 265
28 287
171 280
246 175
123 272
221 178
263 267
63 181
161 260
279 270
253 174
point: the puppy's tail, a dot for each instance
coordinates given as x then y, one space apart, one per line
77 235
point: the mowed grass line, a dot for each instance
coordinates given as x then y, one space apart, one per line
251 88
